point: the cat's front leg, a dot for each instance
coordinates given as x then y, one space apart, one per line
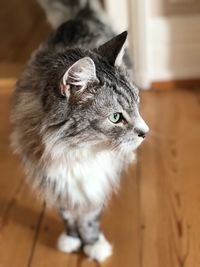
69 241
95 245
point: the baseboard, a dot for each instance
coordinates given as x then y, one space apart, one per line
10 70
174 84
9 73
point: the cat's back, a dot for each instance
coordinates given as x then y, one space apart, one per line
86 30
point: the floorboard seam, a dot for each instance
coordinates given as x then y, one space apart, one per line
41 216
138 177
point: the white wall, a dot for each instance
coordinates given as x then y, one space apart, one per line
174 47
117 10
165 47
126 14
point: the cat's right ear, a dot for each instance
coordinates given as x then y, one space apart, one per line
114 49
78 76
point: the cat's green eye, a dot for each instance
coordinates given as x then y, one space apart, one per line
115 117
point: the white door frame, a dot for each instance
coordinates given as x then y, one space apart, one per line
138 17
134 16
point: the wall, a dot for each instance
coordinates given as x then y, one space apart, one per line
165 38
173 41
118 14
174 47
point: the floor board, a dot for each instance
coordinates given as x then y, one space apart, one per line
19 214
169 180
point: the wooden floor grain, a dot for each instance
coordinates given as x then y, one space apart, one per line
153 222
170 180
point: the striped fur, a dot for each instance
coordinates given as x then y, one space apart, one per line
73 154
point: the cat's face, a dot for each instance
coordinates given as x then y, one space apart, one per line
103 105
107 114
116 119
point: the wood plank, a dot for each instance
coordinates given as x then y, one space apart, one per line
176 84
169 175
19 214
9 72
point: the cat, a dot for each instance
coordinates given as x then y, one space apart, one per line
76 121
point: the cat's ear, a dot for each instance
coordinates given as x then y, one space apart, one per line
113 50
78 75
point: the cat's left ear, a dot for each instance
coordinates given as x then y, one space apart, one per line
113 50
78 75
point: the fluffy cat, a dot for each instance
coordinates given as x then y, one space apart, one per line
76 122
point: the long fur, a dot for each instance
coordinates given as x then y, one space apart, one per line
71 150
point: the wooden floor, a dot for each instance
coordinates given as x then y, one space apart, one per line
155 219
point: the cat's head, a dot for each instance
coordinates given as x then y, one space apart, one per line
98 105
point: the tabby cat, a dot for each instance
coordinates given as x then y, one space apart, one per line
76 121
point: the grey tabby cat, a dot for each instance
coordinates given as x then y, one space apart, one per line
75 120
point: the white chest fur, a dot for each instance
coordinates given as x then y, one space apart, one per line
83 177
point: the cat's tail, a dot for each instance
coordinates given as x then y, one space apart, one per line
59 11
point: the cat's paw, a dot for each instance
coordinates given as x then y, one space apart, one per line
100 250
68 243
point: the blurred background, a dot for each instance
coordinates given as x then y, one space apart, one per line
164 36
154 220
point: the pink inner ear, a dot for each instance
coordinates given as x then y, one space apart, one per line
64 88
78 75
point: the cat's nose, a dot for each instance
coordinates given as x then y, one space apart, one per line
141 132
141 128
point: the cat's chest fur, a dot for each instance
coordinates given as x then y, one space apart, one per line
83 177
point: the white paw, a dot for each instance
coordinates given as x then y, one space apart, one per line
68 243
100 250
